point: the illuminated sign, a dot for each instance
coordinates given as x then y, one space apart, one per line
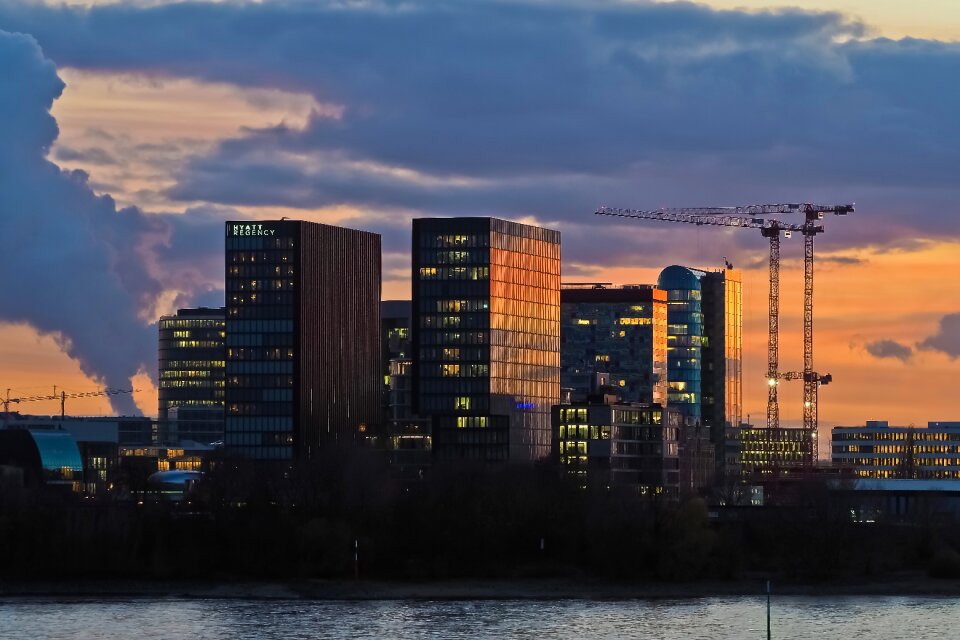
253 229
526 406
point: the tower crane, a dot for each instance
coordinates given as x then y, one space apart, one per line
744 217
62 397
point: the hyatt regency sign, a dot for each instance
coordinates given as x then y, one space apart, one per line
250 230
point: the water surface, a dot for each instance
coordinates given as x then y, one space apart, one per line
794 617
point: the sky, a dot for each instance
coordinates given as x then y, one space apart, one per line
133 129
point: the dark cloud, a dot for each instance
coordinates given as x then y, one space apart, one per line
889 349
93 155
76 267
947 338
549 109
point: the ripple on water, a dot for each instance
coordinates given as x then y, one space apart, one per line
794 617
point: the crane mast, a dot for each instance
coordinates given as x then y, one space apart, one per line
743 217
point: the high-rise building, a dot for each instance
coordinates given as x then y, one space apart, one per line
192 360
303 365
617 330
684 341
486 336
722 351
705 350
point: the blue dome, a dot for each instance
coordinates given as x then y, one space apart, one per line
677 277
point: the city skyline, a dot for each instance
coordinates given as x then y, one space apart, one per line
155 135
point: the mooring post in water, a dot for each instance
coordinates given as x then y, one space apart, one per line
768 610
356 559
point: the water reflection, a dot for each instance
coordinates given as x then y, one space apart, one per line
798 618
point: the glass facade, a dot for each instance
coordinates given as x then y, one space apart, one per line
47 457
705 351
684 341
765 451
303 360
486 334
260 282
192 363
621 331
722 375
632 446
722 379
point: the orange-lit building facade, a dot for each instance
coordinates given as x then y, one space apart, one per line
486 336
617 330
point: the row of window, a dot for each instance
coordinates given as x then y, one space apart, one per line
180 373
258 285
258 353
191 384
261 311
454 273
257 367
268 298
267 423
428 240
181 323
259 408
260 340
260 270
240 243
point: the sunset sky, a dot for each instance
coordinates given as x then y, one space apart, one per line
368 114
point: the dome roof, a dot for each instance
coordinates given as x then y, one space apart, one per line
677 277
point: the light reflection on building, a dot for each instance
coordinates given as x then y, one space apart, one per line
486 336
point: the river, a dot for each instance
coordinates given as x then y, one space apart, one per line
794 617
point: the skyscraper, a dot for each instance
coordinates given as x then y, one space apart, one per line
618 330
705 352
486 336
684 341
722 383
191 366
303 358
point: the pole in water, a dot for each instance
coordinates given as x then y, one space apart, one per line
356 559
768 610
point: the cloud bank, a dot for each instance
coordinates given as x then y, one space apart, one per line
75 267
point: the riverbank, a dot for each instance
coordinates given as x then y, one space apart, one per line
526 589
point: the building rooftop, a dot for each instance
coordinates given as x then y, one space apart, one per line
871 484
883 424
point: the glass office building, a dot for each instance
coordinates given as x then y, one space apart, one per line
705 349
303 363
486 336
192 361
617 330
684 341
722 376
633 446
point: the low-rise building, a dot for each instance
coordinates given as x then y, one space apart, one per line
41 458
631 446
878 450
765 451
